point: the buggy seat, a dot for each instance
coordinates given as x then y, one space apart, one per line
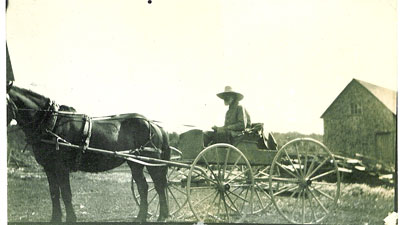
255 134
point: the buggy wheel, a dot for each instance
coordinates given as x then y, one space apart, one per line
304 181
176 193
220 185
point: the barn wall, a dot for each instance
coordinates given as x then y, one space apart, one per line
347 134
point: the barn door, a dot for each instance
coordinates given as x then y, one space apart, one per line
385 147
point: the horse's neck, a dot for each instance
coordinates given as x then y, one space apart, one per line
29 100
31 108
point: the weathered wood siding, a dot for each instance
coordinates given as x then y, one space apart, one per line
370 132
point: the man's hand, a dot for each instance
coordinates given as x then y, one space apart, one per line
219 129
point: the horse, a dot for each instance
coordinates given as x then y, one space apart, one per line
42 119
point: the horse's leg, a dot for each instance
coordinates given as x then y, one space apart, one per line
65 186
159 177
142 187
56 214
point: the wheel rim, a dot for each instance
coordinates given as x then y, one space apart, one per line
221 190
298 181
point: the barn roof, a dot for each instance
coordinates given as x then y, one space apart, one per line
386 96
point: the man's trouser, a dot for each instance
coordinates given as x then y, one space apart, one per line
213 137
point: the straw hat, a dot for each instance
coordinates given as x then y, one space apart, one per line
229 92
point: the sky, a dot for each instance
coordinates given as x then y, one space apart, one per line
168 60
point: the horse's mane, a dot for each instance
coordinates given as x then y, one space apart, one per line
38 97
24 91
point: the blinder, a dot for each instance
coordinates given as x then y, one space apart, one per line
11 109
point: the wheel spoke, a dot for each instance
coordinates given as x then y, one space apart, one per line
219 167
298 158
247 192
286 180
219 204
323 193
238 196
305 163
236 190
177 189
285 189
319 166
311 207
152 199
234 165
259 200
311 166
263 191
212 203
283 167
319 202
295 191
240 174
226 207
303 208
263 173
323 174
291 162
233 204
206 177
204 199
296 203
226 162
173 196
209 167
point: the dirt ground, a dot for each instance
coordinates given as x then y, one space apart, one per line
107 197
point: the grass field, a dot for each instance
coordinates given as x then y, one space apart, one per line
107 197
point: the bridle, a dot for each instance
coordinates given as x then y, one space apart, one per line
45 122
13 107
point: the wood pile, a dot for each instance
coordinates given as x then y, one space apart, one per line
368 166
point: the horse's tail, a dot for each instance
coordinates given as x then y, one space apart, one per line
166 150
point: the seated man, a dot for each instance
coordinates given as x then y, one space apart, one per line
237 119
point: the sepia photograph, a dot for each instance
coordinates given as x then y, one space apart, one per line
200 111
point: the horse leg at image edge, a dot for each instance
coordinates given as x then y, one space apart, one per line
56 214
142 187
159 177
66 194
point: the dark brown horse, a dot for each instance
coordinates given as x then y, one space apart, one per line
40 120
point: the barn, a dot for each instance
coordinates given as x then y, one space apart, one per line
362 119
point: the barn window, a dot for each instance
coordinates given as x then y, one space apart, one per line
356 108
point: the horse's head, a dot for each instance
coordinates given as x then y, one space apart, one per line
25 106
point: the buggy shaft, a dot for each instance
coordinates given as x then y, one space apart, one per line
146 161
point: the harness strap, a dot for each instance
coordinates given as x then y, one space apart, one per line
51 124
151 148
86 132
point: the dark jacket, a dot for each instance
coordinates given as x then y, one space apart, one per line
237 119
